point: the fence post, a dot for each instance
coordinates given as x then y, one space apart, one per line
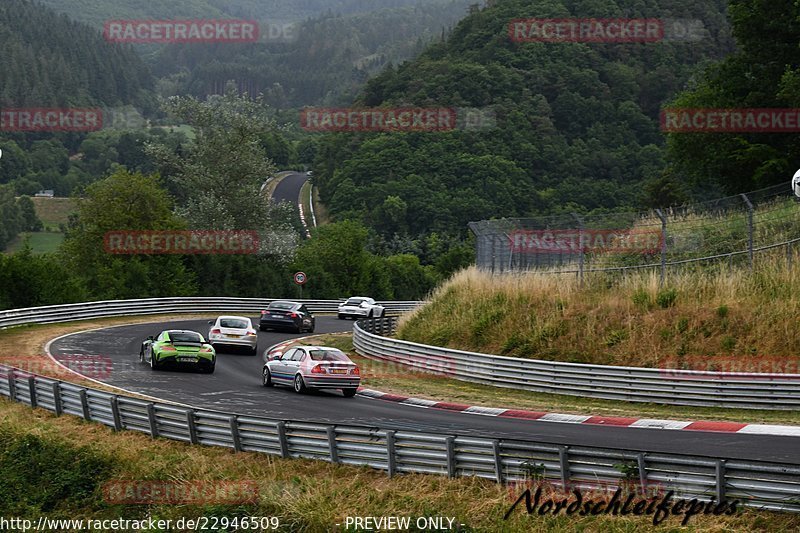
563 459
151 417
663 245
450 443
580 246
32 390
720 474
789 256
749 228
642 473
281 426
391 459
334 451
192 426
498 461
237 442
57 398
12 385
115 413
494 252
87 415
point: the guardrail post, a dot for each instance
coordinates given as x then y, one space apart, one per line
563 459
720 475
115 413
32 390
190 424
59 409
663 246
12 384
450 443
642 472
581 257
237 442
749 228
391 459
87 415
498 461
151 417
281 426
334 451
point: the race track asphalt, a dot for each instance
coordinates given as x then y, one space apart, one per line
236 387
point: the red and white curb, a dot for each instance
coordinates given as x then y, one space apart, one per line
644 423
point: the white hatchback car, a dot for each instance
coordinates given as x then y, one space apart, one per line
360 307
233 331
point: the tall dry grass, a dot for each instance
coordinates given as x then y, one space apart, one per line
734 315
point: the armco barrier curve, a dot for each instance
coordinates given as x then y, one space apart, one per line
153 306
759 484
772 486
653 385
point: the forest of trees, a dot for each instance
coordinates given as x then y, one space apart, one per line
577 124
577 129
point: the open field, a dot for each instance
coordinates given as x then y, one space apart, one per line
53 211
40 242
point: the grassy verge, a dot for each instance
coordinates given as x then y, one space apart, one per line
40 242
70 462
391 378
712 320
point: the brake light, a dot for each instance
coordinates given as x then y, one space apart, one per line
293 315
355 372
169 349
263 312
207 349
215 332
251 333
319 369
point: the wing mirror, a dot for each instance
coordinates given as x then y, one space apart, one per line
151 338
210 322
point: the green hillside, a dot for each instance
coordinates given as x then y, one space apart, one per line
577 124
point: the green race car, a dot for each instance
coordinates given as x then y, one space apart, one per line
177 349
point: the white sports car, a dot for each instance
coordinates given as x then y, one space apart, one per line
360 307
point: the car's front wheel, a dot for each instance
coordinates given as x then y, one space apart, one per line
266 378
299 384
349 393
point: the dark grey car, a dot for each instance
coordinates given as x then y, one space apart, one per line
287 315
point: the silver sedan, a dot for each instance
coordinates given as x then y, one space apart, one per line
233 331
312 367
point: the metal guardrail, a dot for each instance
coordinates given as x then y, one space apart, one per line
86 311
772 486
652 385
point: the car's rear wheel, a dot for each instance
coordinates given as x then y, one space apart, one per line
153 362
299 384
349 393
254 350
262 328
266 378
341 316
